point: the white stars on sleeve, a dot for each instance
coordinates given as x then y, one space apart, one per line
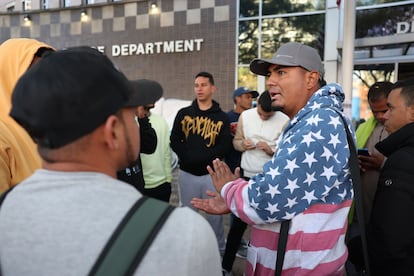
271 220
315 106
332 89
291 165
288 138
328 172
291 202
273 172
258 191
254 204
327 154
342 195
314 120
305 168
310 178
326 191
273 190
291 186
291 149
318 135
272 208
309 196
289 215
308 139
334 140
309 159
335 121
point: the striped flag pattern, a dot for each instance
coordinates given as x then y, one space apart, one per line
308 182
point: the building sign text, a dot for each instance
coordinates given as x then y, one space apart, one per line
150 48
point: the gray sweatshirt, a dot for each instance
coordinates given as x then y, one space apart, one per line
56 223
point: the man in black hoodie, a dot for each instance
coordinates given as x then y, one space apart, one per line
390 232
201 133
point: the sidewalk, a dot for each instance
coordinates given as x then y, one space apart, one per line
239 264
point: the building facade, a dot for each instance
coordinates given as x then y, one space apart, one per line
172 40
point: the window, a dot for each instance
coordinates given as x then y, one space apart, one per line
26 5
65 3
44 4
265 24
291 6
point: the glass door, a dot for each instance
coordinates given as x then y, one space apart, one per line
363 77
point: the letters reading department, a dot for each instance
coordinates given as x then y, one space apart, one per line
150 48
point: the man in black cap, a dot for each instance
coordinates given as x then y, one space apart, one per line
81 112
242 98
134 174
156 166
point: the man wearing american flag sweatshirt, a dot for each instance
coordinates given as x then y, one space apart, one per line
308 179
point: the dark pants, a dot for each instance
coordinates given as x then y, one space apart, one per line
162 192
234 238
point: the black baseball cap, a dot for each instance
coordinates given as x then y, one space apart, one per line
68 94
146 91
244 90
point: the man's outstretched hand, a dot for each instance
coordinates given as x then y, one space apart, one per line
221 174
214 205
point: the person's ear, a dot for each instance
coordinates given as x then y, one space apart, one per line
111 132
312 78
412 113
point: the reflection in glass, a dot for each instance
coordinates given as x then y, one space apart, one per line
246 78
248 41
382 21
363 77
288 6
249 8
360 3
307 29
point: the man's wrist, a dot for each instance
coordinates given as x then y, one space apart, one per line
223 188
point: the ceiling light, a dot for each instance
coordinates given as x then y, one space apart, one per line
27 18
154 4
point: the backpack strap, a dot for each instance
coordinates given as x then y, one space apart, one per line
131 239
356 184
281 246
2 198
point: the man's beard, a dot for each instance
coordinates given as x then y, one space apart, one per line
276 108
129 154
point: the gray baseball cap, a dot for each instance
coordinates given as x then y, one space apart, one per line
290 54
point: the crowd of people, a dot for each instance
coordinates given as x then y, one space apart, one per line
82 157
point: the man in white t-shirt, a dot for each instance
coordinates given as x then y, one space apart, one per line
256 135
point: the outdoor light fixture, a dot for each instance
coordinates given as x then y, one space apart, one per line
83 12
154 4
27 18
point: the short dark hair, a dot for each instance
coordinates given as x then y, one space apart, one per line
43 51
379 90
407 91
206 75
321 82
265 101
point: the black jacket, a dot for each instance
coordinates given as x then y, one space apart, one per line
133 175
200 136
391 230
